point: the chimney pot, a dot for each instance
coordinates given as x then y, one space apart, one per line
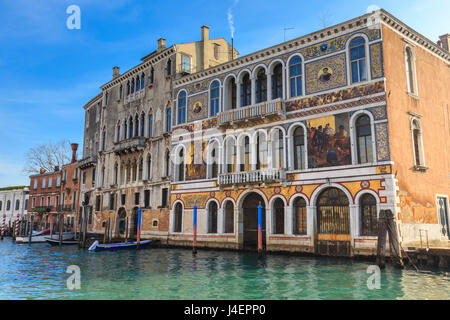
205 33
116 72
74 152
444 41
161 44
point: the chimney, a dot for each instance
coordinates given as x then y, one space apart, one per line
74 152
116 72
56 169
205 39
444 41
161 44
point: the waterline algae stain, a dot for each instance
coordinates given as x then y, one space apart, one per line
39 271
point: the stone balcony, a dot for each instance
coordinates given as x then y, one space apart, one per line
130 145
88 162
134 96
263 110
250 177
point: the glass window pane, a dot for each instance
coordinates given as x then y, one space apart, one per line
362 70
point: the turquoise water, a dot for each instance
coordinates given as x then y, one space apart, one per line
38 271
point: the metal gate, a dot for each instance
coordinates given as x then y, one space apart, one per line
333 223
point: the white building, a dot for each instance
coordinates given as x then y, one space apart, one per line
13 201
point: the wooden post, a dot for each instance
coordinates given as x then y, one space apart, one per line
381 245
61 228
85 223
106 230
126 229
393 238
31 228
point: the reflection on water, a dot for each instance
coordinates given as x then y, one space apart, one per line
38 271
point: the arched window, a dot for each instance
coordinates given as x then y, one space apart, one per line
149 167
122 173
178 218
261 86
299 216
358 59
141 168
18 204
8 205
120 92
295 76
169 67
118 132
368 212
130 127
212 217
104 139
277 149
229 217
230 155
246 91
278 215
134 170
128 171
103 176
180 167
152 75
150 125
299 148
417 143
212 161
261 151
214 97
410 70
169 119
136 125
277 81
245 155
230 93
138 84
364 139
167 164
333 212
116 170
142 80
182 107
132 85
141 125
128 87
1 203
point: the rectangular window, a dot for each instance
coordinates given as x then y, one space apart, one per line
58 181
150 125
43 183
136 198
97 203
185 64
63 199
123 198
33 202
111 201
74 199
164 197
48 201
35 183
93 177
57 201
50 182
65 175
83 175
76 173
146 198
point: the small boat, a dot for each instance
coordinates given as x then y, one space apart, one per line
55 242
41 237
96 246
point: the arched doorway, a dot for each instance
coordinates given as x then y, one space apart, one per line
121 222
134 223
333 223
250 220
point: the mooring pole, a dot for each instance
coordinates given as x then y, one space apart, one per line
139 228
126 229
31 228
393 238
3 226
381 245
259 229
16 227
61 228
194 243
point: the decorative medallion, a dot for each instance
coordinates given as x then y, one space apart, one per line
228 193
298 188
277 190
197 108
365 184
212 194
179 196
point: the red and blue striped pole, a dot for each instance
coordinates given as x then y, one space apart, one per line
259 228
139 227
194 244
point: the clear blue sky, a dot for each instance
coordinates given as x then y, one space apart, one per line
47 72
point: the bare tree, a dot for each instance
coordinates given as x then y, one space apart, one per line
47 156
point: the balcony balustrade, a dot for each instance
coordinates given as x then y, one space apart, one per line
257 176
257 111
130 145
133 96
88 162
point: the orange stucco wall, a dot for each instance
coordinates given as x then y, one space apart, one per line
417 190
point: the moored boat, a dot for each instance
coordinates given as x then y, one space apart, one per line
41 237
96 246
55 241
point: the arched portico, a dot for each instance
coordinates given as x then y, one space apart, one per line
248 219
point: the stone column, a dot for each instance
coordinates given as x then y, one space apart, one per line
238 94
220 221
311 222
253 153
269 87
253 90
288 220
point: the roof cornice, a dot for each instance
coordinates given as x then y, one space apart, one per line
413 35
94 99
140 67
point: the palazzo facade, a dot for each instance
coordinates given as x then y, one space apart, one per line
323 132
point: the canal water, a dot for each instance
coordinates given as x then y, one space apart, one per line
38 271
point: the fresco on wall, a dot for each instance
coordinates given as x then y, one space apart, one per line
329 141
194 170
325 74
